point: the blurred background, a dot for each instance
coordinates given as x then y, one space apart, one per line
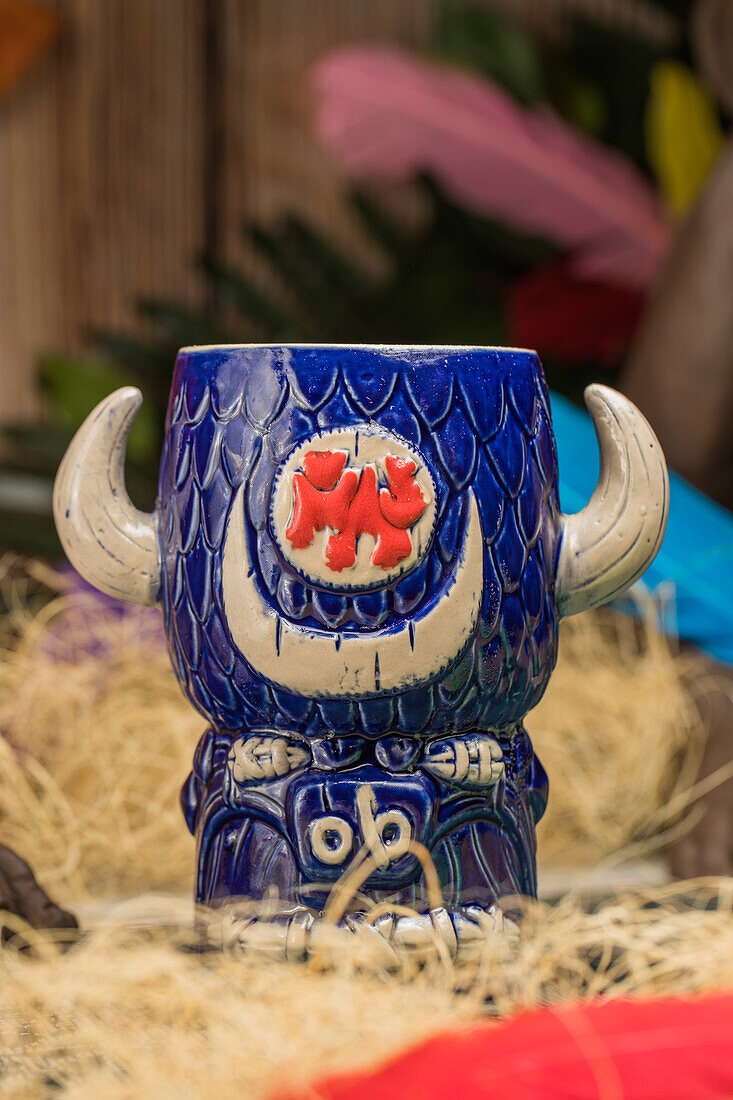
471 171
555 174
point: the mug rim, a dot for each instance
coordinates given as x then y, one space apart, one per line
365 347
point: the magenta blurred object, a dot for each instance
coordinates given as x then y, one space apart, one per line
389 115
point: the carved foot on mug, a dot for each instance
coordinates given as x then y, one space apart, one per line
473 762
385 940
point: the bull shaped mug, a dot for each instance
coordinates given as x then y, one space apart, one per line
361 562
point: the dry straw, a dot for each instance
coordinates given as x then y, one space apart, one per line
620 736
129 1014
97 740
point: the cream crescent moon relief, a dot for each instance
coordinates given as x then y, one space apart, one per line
351 557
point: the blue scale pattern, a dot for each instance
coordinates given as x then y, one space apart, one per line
481 422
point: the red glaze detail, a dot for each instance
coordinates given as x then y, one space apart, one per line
403 503
352 506
315 509
324 468
365 518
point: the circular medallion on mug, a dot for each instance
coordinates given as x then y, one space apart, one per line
353 509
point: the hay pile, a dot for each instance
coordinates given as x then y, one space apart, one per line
127 1015
621 739
96 741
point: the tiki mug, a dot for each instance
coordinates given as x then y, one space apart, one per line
361 562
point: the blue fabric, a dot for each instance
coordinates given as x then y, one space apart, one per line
695 563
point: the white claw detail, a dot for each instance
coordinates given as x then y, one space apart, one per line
259 759
474 762
385 942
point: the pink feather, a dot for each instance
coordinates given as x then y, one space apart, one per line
386 114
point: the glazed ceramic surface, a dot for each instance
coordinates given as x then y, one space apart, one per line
361 562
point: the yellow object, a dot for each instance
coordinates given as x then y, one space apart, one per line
683 135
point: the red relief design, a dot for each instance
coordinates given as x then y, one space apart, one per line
351 505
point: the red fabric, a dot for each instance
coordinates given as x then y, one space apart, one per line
550 309
673 1049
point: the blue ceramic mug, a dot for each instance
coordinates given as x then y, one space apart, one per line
361 562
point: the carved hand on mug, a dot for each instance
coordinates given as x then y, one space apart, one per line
262 758
474 762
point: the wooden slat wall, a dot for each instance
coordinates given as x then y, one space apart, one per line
272 162
31 307
148 133
100 179
129 189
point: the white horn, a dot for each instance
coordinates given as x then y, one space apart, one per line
110 542
608 545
